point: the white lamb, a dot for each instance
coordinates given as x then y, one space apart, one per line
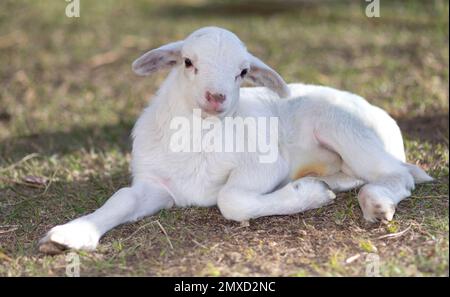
328 139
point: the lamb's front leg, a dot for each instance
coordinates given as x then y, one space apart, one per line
241 203
127 204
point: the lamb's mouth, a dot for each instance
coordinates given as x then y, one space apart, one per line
207 112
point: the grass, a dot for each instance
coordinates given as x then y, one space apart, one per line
68 101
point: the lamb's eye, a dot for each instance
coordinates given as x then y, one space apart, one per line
187 63
244 72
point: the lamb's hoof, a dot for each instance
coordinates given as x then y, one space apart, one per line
51 248
313 193
79 235
375 206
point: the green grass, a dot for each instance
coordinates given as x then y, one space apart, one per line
68 100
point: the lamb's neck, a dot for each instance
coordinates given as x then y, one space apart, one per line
170 102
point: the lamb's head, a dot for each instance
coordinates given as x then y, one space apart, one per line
211 65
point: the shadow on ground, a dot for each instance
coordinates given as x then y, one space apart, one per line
311 10
433 127
101 138
235 8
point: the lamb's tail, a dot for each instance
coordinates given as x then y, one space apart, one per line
420 176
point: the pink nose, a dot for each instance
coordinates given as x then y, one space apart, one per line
215 99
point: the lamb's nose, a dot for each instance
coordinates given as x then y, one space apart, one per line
215 98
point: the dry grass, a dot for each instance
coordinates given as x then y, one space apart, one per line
68 101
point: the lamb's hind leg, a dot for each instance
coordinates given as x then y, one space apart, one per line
379 198
388 179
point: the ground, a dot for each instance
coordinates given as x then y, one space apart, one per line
68 100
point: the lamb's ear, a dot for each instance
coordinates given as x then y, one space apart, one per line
262 75
162 57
